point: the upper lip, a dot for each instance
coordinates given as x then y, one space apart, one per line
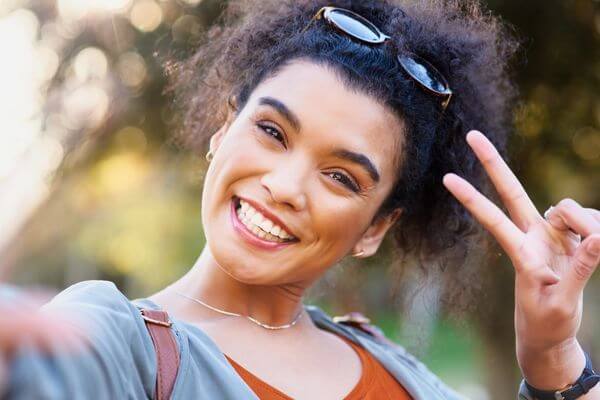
264 211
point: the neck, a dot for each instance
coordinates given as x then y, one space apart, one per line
209 283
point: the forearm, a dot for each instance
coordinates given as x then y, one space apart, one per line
556 368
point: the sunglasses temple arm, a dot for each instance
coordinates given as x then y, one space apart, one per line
446 102
313 19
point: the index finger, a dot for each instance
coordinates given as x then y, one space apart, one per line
486 212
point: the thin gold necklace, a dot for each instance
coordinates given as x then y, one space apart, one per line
261 324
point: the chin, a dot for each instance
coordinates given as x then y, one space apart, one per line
242 269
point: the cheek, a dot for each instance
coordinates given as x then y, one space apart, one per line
240 151
336 221
235 157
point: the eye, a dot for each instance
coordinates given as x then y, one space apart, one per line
269 130
345 180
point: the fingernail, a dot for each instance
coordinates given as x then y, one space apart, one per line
447 177
594 248
547 212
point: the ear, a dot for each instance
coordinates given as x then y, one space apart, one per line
217 137
371 240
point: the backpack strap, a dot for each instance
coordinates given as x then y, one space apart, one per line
167 352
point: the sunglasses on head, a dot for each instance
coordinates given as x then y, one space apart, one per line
359 28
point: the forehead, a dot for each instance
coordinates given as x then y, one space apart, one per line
336 114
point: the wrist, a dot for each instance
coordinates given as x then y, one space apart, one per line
552 368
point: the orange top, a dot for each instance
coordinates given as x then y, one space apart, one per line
376 383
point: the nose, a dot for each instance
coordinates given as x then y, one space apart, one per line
285 184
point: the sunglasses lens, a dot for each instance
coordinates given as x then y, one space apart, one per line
425 74
364 30
355 25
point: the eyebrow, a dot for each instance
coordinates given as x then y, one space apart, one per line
360 159
281 109
293 120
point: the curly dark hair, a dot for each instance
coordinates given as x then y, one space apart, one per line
473 49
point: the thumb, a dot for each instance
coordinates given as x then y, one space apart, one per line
585 261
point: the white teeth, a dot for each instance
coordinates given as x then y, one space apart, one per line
266 225
256 219
260 225
244 207
276 230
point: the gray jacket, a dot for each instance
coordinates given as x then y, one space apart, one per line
121 362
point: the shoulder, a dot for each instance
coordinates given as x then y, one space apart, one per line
361 326
109 320
99 297
395 357
114 326
94 302
90 292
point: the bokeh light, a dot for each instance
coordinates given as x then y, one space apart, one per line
89 64
85 106
186 27
146 15
586 143
132 69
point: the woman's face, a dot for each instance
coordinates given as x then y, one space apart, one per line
306 157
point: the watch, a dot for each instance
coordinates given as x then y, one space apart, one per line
587 380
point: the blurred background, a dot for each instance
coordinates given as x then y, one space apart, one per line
92 188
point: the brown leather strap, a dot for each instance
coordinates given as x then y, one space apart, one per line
167 352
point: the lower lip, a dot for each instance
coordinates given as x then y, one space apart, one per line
251 237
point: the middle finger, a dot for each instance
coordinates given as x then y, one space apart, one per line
513 195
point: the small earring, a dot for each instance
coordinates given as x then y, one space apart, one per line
358 254
209 156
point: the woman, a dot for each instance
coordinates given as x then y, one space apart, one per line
329 134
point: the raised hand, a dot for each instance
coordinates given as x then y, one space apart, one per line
553 257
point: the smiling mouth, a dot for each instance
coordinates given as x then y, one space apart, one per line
259 225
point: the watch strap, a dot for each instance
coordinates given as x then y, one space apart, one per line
587 380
